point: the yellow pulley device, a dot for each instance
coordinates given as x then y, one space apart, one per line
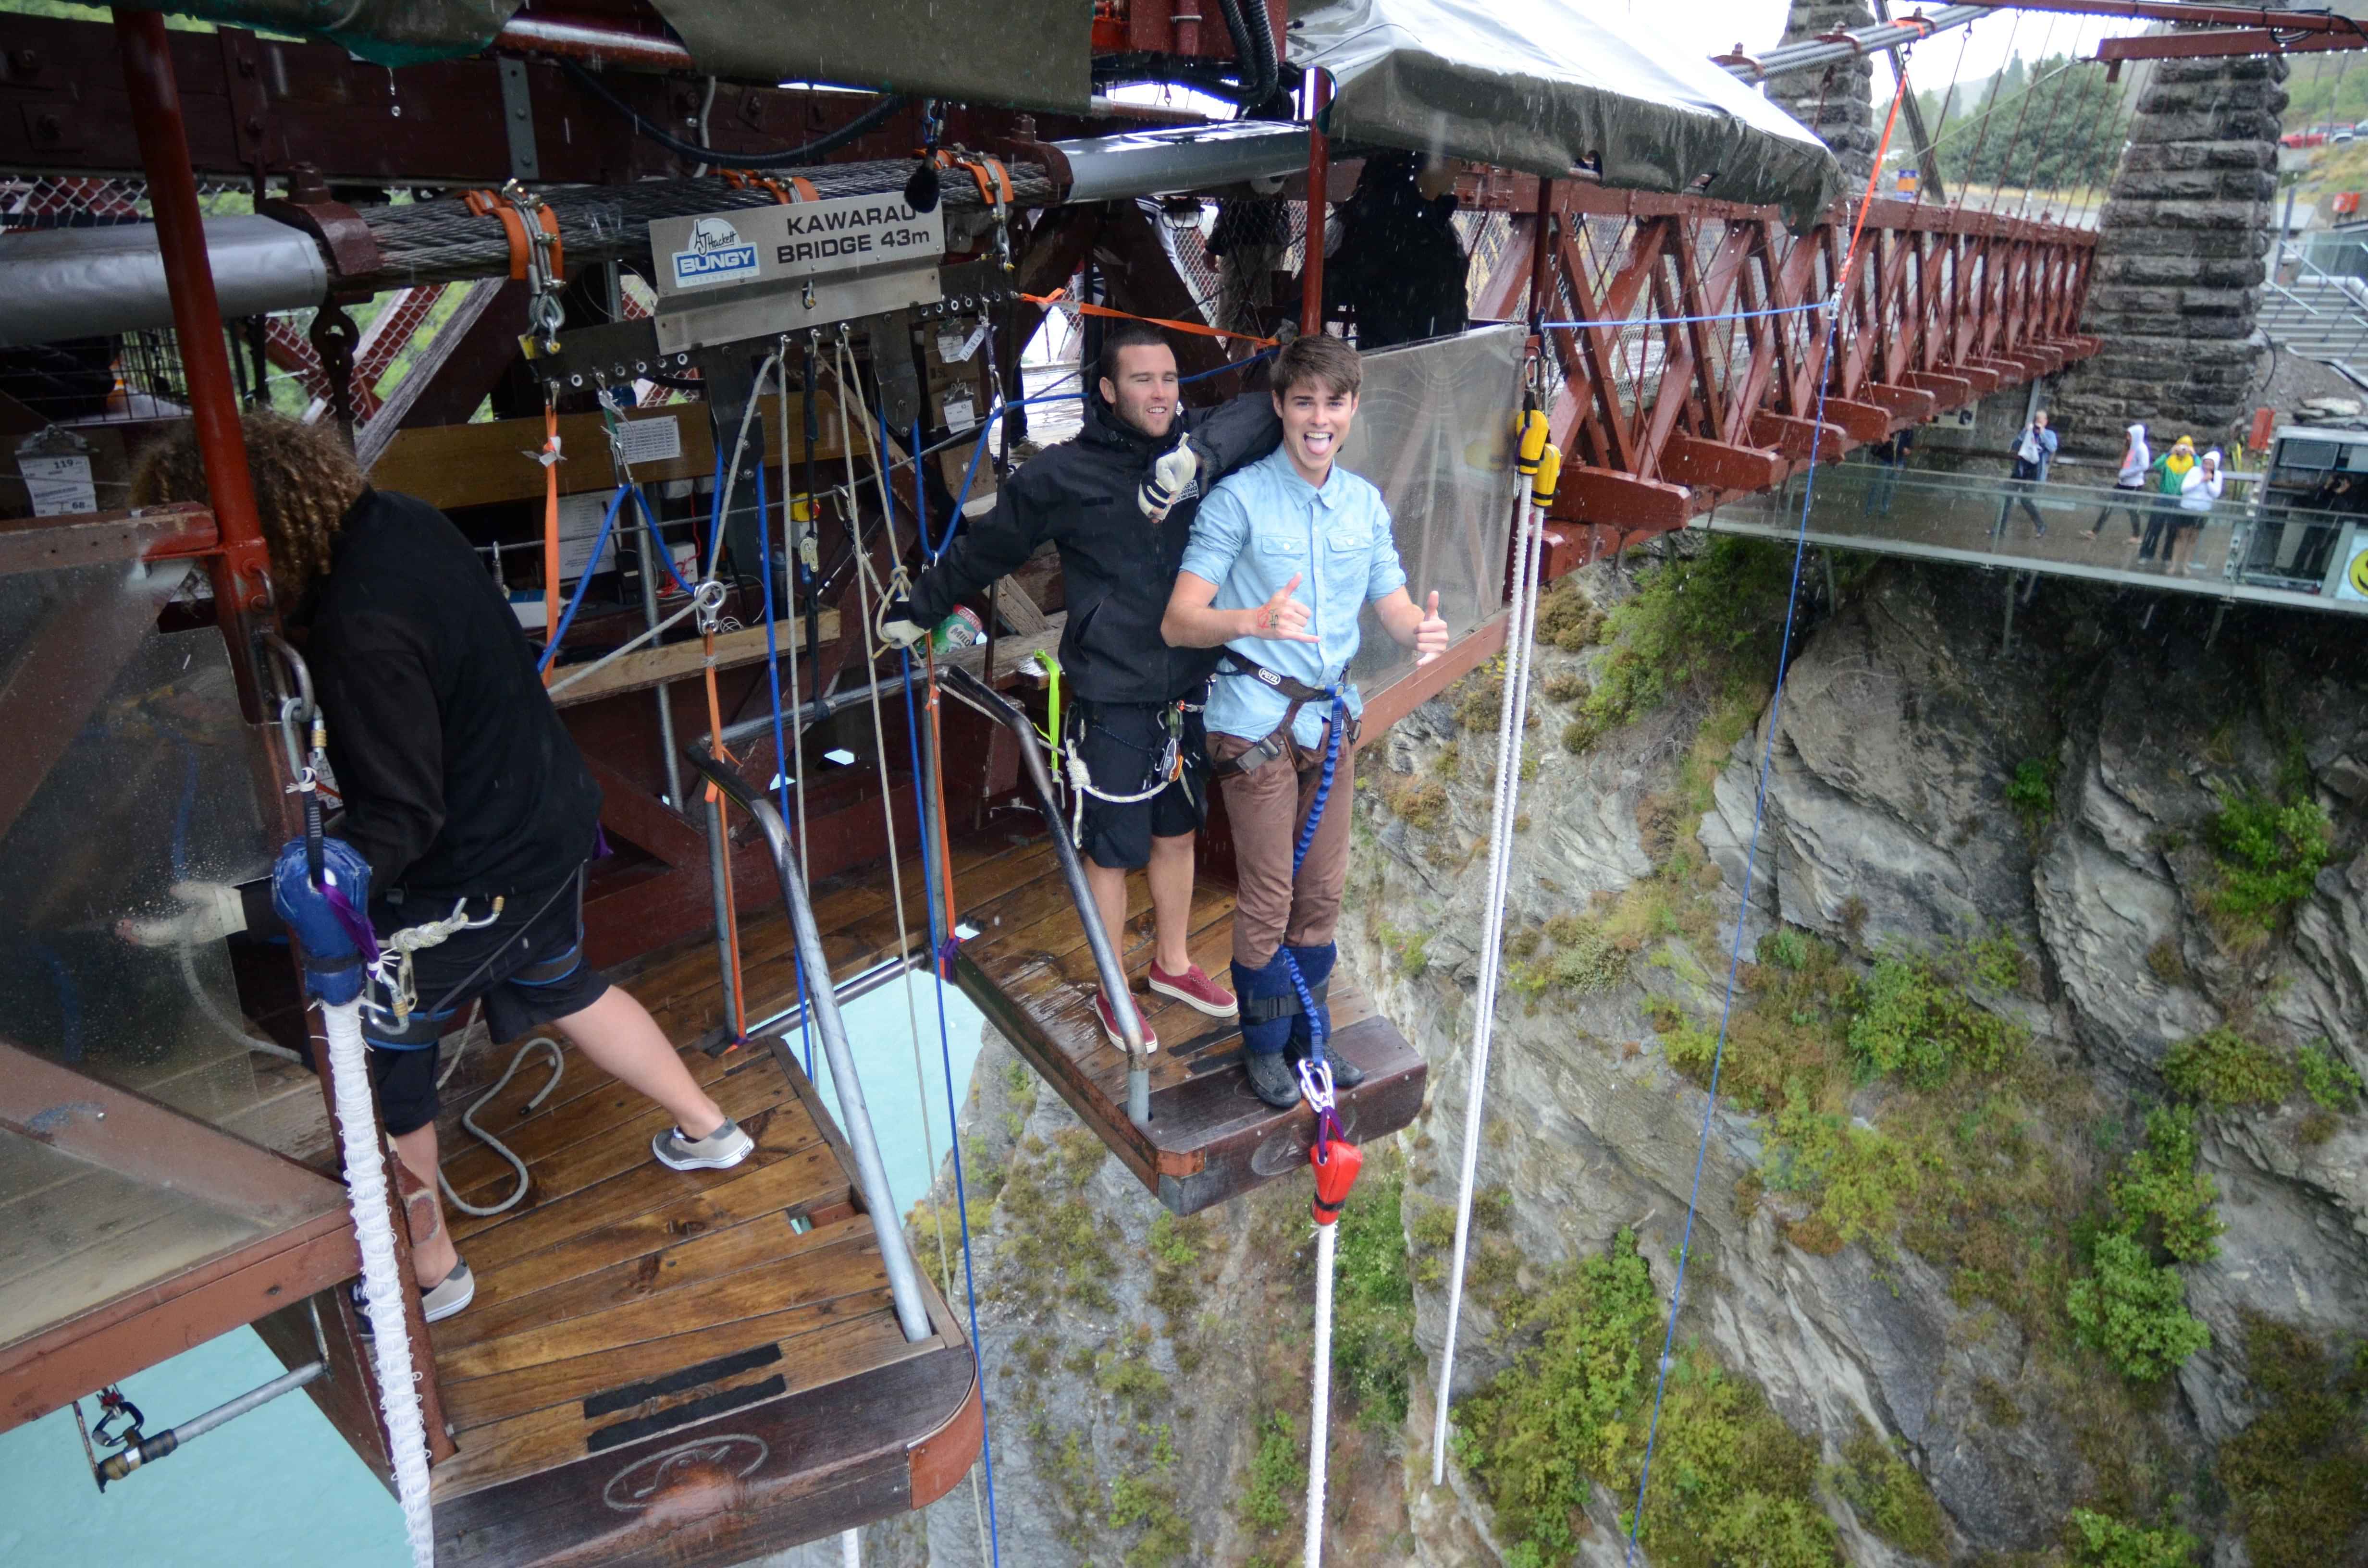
1530 434
1545 473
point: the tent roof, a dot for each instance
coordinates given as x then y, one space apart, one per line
1546 88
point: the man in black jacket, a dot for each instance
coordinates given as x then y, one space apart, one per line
462 789
1119 502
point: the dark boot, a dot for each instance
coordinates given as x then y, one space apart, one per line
1270 1003
1316 969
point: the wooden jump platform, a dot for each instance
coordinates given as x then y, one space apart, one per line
1211 1138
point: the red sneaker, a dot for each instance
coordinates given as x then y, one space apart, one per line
1194 989
1110 1023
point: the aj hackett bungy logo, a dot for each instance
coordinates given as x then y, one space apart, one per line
717 254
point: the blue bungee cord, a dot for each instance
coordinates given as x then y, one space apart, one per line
1735 954
940 942
1318 1030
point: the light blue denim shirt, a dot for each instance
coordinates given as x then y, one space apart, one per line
1262 525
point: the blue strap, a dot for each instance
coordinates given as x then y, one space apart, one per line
781 761
1318 1022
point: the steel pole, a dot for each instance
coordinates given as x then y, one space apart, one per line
240 572
1319 179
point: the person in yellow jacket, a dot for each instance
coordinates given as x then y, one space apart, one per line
2168 479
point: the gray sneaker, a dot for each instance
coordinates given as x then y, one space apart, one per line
719 1151
453 1295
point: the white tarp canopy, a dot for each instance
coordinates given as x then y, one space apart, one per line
1545 86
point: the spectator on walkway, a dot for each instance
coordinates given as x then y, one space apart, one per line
2338 496
2198 492
2135 459
2033 449
2168 474
1890 456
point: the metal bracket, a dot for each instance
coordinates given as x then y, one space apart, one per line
517 120
606 354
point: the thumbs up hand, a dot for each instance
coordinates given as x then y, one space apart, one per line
1430 634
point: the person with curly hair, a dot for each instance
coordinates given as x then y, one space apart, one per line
462 789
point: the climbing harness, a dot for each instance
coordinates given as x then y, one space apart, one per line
1169 767
1299 695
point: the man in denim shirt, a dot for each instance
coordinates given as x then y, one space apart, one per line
1283 556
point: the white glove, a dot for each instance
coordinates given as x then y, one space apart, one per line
1175 479
897 627
208 913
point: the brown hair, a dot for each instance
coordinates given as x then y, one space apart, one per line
1317 357
304 481
1123 334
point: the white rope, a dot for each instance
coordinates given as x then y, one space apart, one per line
468 1121
1512 715
1320 1420
383 1282
850 1549
842 370
794 737
732 469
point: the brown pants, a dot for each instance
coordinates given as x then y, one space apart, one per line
1266 808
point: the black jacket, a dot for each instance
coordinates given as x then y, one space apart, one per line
1118 566
458 777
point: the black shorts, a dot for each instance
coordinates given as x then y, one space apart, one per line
1124 746
527 967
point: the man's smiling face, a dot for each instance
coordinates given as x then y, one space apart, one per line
1316 421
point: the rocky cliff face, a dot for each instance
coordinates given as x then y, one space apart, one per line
2000 910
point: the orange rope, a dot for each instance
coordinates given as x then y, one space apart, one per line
549 530
1850 258
1059 297
715 797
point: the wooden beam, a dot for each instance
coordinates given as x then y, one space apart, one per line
1796 438
1419 686
1622 501
1911 404
1949 391
647 668
477 465
1866 422
1694 461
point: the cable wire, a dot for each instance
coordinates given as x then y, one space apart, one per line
869 121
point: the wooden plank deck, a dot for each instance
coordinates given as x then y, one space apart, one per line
692 1367
1211 1138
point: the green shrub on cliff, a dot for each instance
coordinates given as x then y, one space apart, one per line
2135 1310
2099 1541
1731 1482
1888 1496
1373 1352
2298 1474
1692 618
2161 1196
2269 853
1915 1019
2226 1070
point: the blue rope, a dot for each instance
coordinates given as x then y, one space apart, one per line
1734 962
954 1124
1318 1029
658 543
780 743
583 584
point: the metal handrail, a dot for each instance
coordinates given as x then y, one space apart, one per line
871 1173
1004 711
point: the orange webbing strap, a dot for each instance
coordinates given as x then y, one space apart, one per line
994 193
800 188
489 204
715 797
1060 297
549 530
